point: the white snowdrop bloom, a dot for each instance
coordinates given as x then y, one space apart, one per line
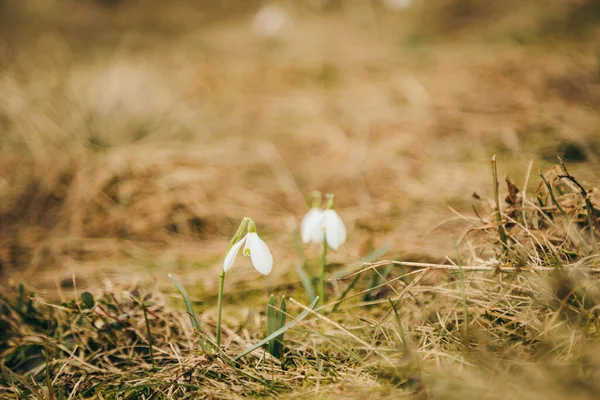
312 217
335 230
269 20
325 224
255 248
397 4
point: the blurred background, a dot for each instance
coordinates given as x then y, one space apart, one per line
134 135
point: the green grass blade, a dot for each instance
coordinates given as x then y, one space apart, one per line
282 314
298 247
283 329
31 386
373 256
189 308
20 298
407 349
271 322
306 282
345 292
280 322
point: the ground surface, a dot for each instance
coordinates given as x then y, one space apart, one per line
133 142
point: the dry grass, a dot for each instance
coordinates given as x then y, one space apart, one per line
524 324
132 144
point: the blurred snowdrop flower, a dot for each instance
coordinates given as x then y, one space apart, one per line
318 225
269 20
335 230
312 216
397 4
255 248
307 226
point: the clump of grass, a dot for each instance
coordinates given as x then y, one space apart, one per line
525 321
104 346
556 224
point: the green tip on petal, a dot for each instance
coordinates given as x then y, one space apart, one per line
330 200
316 199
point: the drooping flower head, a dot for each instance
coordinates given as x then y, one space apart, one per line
318 225
254 247
313 215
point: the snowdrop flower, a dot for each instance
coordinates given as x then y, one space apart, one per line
397 4
269 20
308 232
326 224
312 216
255 248
335 230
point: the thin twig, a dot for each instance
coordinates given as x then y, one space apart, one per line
551 192
406 290
590 211
501 230
476 268
524 192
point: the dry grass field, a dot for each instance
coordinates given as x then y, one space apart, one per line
136 135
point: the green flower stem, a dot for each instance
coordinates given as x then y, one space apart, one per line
323 265
240 231
220 307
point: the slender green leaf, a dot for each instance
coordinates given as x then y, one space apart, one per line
282 314
374 255
278 332
275 321
272 315
20 297
297 244
405 343
377 279
306 282
381 277
280 322
346 291
189 308
30 306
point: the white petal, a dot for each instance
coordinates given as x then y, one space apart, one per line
259 253
315 231
335 230
312 216
230 258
